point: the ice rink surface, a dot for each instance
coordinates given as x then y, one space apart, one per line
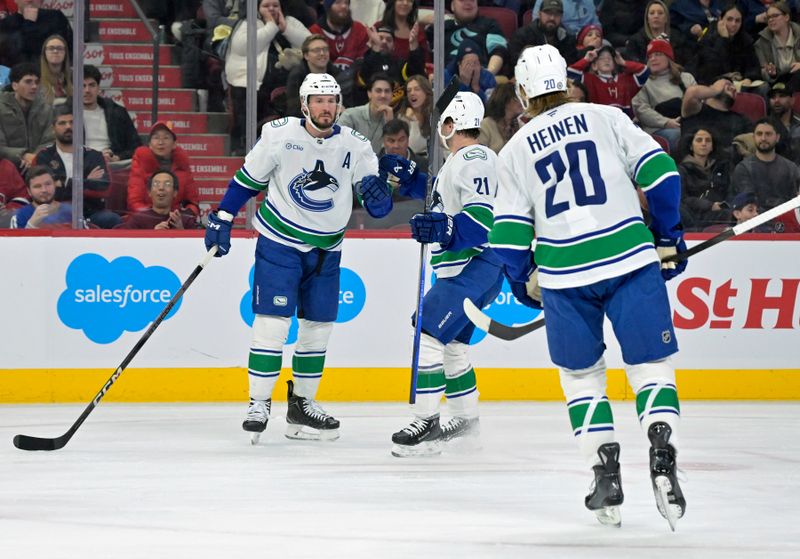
183 481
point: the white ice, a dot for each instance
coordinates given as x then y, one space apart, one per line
182 481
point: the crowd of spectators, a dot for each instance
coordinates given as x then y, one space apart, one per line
689 72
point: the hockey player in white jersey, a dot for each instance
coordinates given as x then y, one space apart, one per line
565 178
309 168
465 267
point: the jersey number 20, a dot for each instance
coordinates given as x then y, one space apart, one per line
582 196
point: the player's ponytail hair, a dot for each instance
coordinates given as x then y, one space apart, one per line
543 103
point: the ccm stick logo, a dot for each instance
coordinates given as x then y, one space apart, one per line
701 303
108 384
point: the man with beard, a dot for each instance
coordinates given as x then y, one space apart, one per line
786 121
773 178
347 39
709 107
44 212
546 29
59 157
310 169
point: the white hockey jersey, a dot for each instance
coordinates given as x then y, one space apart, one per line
467 184
309 182
567 174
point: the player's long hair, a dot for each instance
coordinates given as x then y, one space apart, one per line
543 103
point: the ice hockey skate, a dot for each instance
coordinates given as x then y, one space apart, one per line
606 496
462 434
422 438
306 420
663 472
255 422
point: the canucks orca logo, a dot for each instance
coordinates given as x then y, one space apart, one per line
312 181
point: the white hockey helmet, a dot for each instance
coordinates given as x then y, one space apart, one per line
319 84
466 110
540 70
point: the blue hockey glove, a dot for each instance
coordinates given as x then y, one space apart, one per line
376 195
527 292
400 167
666 247
434 227
218 232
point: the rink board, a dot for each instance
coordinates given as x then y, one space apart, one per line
74 306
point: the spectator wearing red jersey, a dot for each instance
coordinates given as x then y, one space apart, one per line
161 153
346 38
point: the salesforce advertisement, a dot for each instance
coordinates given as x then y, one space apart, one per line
85 302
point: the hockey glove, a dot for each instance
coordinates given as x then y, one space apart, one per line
665 248
376 196
404 175
528 293
433 227
402 169
218 231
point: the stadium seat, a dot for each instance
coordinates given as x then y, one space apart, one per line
750 105
662 142
527 17
505 18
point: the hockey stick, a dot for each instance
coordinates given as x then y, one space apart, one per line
25 442
441 104
505 332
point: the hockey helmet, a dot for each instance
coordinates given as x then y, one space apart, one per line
540 70
466 110
319 84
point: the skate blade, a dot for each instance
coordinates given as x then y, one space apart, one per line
422 449
254 438
609 516
306 433
672 512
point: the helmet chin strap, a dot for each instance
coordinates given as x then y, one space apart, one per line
522 97
445 138
309 120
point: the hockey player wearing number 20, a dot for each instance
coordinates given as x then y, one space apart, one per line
566 175
310 169
465 267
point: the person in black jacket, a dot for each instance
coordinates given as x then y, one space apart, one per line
725 48
109 128
546 29
657 26
96 181
705 176
27 30
621 19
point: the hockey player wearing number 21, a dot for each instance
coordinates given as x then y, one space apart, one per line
310 168
465 267
566 176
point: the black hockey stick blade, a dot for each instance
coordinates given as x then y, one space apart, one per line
497 329
26 442
447 96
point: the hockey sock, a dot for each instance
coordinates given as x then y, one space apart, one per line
308 360
461 389
430 376
266 354
589 409
656 395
